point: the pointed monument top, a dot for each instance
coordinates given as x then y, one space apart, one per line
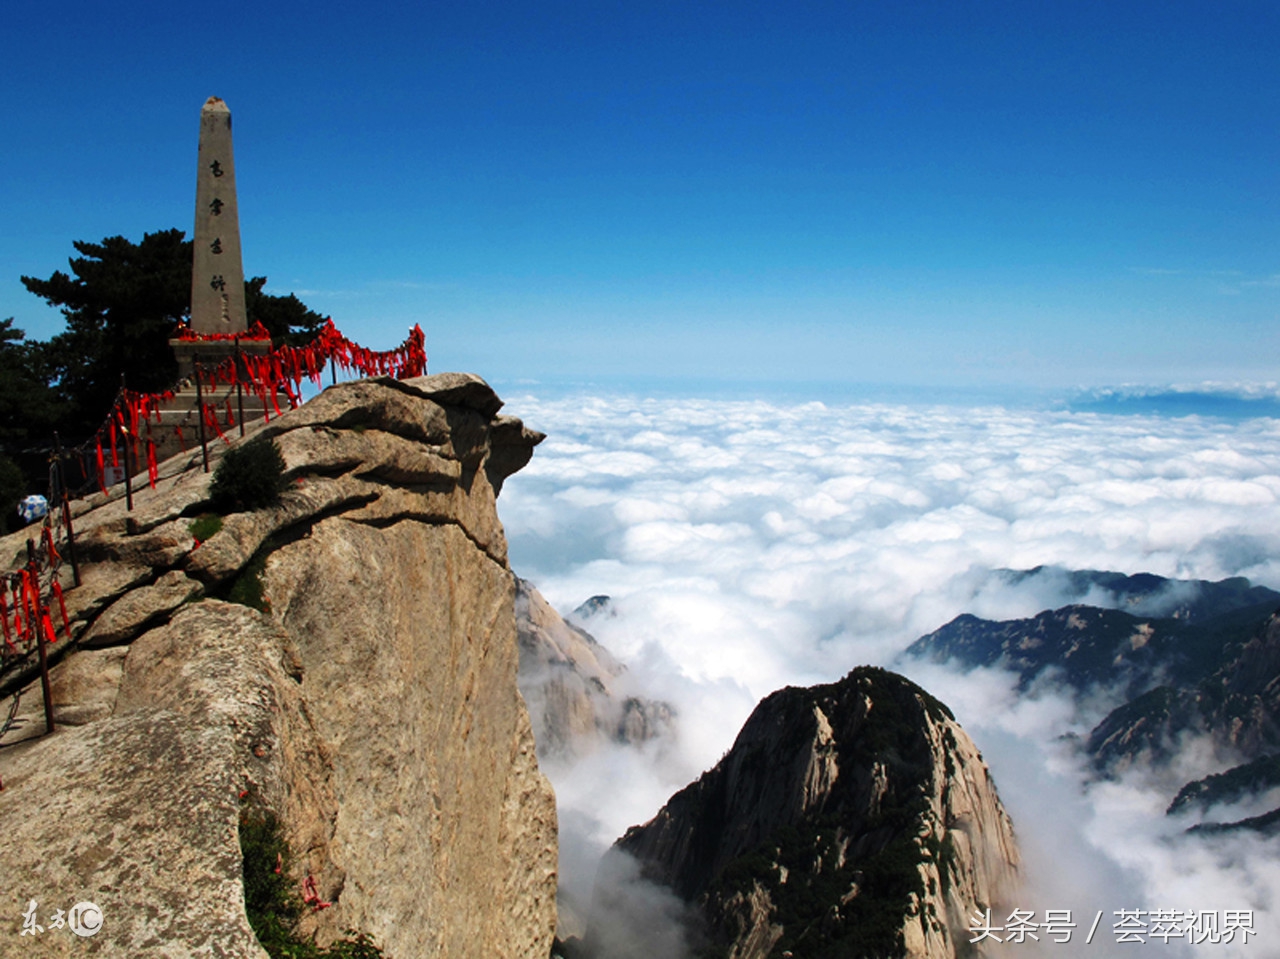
217 275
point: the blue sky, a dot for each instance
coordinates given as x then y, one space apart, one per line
957 194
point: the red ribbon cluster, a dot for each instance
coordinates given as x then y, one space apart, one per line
311 896
123 428
284 368
29 612
280 370
255 332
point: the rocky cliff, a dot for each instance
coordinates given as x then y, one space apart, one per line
855 818
370 702
576 690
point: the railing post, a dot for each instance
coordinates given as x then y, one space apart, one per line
66 510
128 480
240 388
34 571
204 446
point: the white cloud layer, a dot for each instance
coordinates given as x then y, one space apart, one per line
751 545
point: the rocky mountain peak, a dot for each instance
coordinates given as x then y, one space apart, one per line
856 813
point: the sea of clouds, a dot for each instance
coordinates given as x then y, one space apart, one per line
749 545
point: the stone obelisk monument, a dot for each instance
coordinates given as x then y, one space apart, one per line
217 277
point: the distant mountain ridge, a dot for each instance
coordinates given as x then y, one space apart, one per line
1183 629
1237 706
1230 786
1208 665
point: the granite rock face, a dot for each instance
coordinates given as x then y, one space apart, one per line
854 818
576 689
372 705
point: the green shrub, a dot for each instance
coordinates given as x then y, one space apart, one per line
13 486
249 477
205 525
272 902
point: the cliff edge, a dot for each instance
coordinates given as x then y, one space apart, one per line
370 703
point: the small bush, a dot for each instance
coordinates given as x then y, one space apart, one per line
249 477
205 525
272 902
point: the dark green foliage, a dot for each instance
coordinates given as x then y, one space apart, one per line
122 305
250 476
356 946
868 925
13 487
273 906
29 412
122 302
286 318
271 901
28 407
205 525
1230 786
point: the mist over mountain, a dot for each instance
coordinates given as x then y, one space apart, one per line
1193 688
576 690
1177 631
750 545
1208 663
1204 400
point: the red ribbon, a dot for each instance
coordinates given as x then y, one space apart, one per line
311 897
283 368
17 607
29 604
211 421
153 471
47 623
255 332
4 617
48 542
62 607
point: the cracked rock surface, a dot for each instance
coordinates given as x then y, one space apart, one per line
372 707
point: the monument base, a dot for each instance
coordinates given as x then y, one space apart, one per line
212 353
